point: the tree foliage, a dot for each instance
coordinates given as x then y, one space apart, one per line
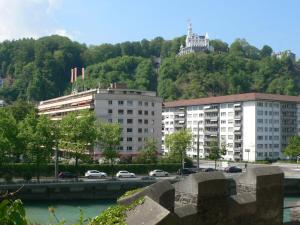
293 148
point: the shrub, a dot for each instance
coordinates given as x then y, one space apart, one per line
8 177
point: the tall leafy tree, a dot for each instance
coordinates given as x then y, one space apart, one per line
293 148
215 152
149 153
37 133
77 134
177 144
108 136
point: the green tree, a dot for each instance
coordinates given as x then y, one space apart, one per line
293 148
177 143
215 152
78 134
9 141
149 153
266 51
36 132
108 138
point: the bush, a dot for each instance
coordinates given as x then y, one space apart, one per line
27 176
48 170
8 177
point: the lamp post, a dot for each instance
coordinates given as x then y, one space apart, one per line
198 154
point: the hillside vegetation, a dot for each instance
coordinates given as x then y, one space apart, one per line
39 69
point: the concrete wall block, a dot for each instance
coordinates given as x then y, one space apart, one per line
162 192
187 214
204 185
150 213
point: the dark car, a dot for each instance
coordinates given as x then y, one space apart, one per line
67 175
209 170
233 169
186 171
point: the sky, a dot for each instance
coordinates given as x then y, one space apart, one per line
272 22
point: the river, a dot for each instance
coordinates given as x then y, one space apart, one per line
38 213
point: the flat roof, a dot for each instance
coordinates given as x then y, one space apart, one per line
232 98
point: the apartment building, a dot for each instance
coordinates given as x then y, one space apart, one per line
137 112
252 126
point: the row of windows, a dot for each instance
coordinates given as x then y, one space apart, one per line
260 137
130 103
131 139
261 146
130 112
270 129
265 154
140 130
270 113
131 121
266 104
270 121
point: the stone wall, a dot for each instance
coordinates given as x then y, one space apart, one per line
254 198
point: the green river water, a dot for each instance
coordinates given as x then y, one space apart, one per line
70 210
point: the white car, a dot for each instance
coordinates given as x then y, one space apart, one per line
95 174
158 173
124 173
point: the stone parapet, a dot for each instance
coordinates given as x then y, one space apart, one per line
254 198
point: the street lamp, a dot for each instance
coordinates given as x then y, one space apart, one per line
198 155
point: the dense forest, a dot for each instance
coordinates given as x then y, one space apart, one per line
39 69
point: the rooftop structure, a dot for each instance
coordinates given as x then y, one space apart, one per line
252 126
195 43
287 54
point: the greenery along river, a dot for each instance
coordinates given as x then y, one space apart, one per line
69 211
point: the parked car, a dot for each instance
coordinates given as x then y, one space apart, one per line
158 173
209 170
95 174
67 174
124 173
233 169
186 171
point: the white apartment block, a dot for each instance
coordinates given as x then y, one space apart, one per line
137 112
252 126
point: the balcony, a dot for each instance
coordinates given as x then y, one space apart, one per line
211 110
238 140
237 117
238 149
211 125
211 132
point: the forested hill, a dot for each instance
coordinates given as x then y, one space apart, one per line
40 69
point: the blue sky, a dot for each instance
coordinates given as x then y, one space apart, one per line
272 22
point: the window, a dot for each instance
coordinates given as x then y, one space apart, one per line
230 114
129 121
140 130
260 137
140 103
200 114
260 145
145 121
146 103
121 138
110 111
145 112
120 102
230 137
223 113
110 102
129 103
260 129
109 120
260 120
230 121
152 103
140 121
260 112
129 111
120 121
223 121
230 129
129 130
223 129
140 112
146 130
121 111
129 148
121 148
140 139
152 113
129 139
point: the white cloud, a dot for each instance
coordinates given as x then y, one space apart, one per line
29 18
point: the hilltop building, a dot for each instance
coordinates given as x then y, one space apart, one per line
137 112
287 54
252 126
195 43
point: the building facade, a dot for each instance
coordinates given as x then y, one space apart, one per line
251 126
137 112
195 43
2 103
